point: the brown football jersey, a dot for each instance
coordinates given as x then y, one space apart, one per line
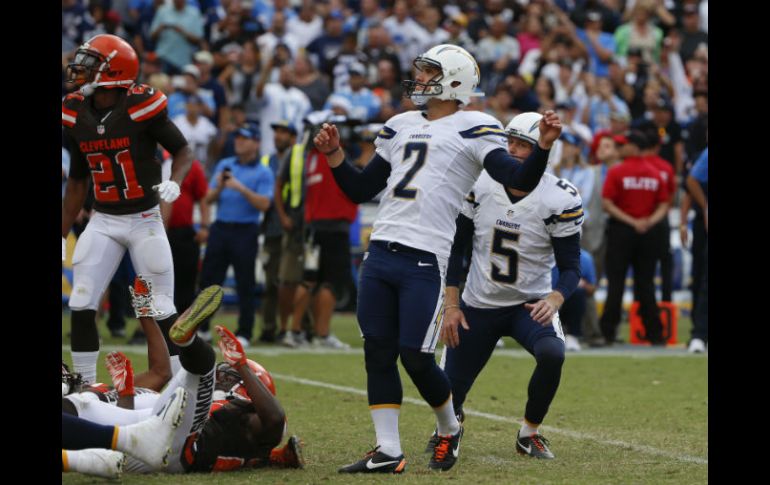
118 146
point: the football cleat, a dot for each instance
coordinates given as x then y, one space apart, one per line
535 445
150 440
98 462
288 456
446 451
433 441
376 462
206 304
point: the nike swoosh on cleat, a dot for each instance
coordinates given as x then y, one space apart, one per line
420 263
373 466
528 449
456 451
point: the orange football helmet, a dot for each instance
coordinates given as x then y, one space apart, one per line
104 61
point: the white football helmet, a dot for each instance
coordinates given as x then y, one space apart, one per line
525 126
458 79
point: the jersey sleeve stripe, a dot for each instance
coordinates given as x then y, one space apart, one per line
67 120
386 133
482 130
147 102
149 110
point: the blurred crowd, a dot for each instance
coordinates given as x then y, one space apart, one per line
606 66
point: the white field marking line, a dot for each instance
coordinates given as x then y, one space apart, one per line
511 353
493 417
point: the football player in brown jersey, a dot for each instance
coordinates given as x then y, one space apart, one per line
113 126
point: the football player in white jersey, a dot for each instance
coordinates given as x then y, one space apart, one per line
517 237
426 161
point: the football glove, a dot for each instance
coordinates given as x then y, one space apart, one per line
168 190
121 372
231 348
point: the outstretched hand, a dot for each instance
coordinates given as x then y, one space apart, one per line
328 139
550 129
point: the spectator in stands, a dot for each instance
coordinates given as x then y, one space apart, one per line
407 35
325 48
692 36
177 30
210 87
307 26
277 34
498 54
240 80
308 80
641 32
600 45
279 101
186 85
242 189
574 168
366 105
198 130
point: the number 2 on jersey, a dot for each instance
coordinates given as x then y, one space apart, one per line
105 188
511 275
411 150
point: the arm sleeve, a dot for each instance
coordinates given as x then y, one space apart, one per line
166 133
362 185
567 253
462 242
266 184
521 176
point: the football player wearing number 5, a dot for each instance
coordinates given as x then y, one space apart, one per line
516 237
113 126
426 161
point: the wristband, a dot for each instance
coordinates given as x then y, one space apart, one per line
333 151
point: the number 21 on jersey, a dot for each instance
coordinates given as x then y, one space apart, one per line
105 186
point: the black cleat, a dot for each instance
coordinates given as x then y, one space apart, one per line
376 462
433 441
446 451
535 445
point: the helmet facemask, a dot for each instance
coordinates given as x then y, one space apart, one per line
426 90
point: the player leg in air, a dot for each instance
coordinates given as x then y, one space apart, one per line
148 440
214 436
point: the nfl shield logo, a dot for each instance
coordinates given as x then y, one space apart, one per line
510 213
100 129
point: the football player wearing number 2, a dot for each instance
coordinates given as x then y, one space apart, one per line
113 126
426 161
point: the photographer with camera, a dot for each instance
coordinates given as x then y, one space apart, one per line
243 189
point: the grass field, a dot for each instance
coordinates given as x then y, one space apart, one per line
621 416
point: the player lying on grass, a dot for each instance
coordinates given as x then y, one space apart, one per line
240 430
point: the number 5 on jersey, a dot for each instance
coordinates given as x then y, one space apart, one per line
105 186
418 152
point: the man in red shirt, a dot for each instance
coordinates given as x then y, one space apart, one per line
185 241
662 230
636 199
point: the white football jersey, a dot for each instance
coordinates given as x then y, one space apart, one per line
512 250
433 166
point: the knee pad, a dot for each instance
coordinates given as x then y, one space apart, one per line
83 296
156 255
380 353
549 351
416 362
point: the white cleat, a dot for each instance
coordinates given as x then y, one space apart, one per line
150 440
330 342
98 462
697 346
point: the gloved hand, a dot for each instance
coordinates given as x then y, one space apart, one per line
121 372
231 348
168 190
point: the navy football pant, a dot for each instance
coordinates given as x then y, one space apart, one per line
400 295
545 343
